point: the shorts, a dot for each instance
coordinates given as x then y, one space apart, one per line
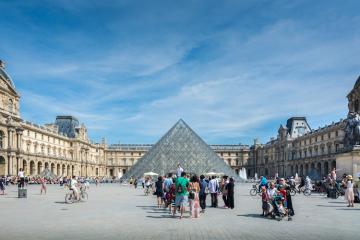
159 194
181 201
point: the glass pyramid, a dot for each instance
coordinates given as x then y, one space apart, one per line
180 145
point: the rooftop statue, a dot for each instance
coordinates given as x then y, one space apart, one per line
352 129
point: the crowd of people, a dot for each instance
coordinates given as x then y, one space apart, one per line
22 181
276 193
181 192
276 198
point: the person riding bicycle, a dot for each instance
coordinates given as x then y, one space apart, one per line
302 183
263 182
308 184
148 185
73 187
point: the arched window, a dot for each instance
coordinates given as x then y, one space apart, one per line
2 139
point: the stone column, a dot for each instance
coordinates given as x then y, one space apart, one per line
10 137
10 165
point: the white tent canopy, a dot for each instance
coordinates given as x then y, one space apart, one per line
150 174
210 174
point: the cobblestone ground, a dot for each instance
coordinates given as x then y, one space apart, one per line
121 212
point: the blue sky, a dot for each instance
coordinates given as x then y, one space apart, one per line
233 70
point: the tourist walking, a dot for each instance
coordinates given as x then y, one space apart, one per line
230 193
43 186
213 189
194 189
203 193
181 199
2 185
159 191
168 182
223 190
289 204
135 183
349 193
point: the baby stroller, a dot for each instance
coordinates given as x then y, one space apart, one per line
279 211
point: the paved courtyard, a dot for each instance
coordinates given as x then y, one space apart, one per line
121 212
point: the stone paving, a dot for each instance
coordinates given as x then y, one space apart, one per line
121 212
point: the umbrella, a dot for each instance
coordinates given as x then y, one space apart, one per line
151 174
211 174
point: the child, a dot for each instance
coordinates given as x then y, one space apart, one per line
170 197
265 200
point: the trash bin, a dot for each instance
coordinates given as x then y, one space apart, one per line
22 193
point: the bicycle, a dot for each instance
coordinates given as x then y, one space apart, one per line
71 198
147 190
306 190
255 190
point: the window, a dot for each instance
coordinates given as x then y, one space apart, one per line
329 135
2 138
11 105
337 133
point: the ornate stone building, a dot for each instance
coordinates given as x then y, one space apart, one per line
300 149
64 147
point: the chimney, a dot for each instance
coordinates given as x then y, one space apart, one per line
2 64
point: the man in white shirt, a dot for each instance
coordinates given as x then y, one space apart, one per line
179 170
22 178
213 189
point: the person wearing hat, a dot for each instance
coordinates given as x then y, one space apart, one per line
349 193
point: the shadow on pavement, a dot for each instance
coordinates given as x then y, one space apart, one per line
353 209
161 216
61 202
251 215
333 206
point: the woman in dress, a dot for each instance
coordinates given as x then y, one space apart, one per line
349 193
194 203
43 185
159 191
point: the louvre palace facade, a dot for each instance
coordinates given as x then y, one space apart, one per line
64 147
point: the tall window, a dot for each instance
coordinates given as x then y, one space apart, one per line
11 105
2 135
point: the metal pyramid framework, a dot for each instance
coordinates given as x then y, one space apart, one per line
180 145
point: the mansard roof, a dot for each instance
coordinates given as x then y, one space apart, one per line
4 76
357 84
